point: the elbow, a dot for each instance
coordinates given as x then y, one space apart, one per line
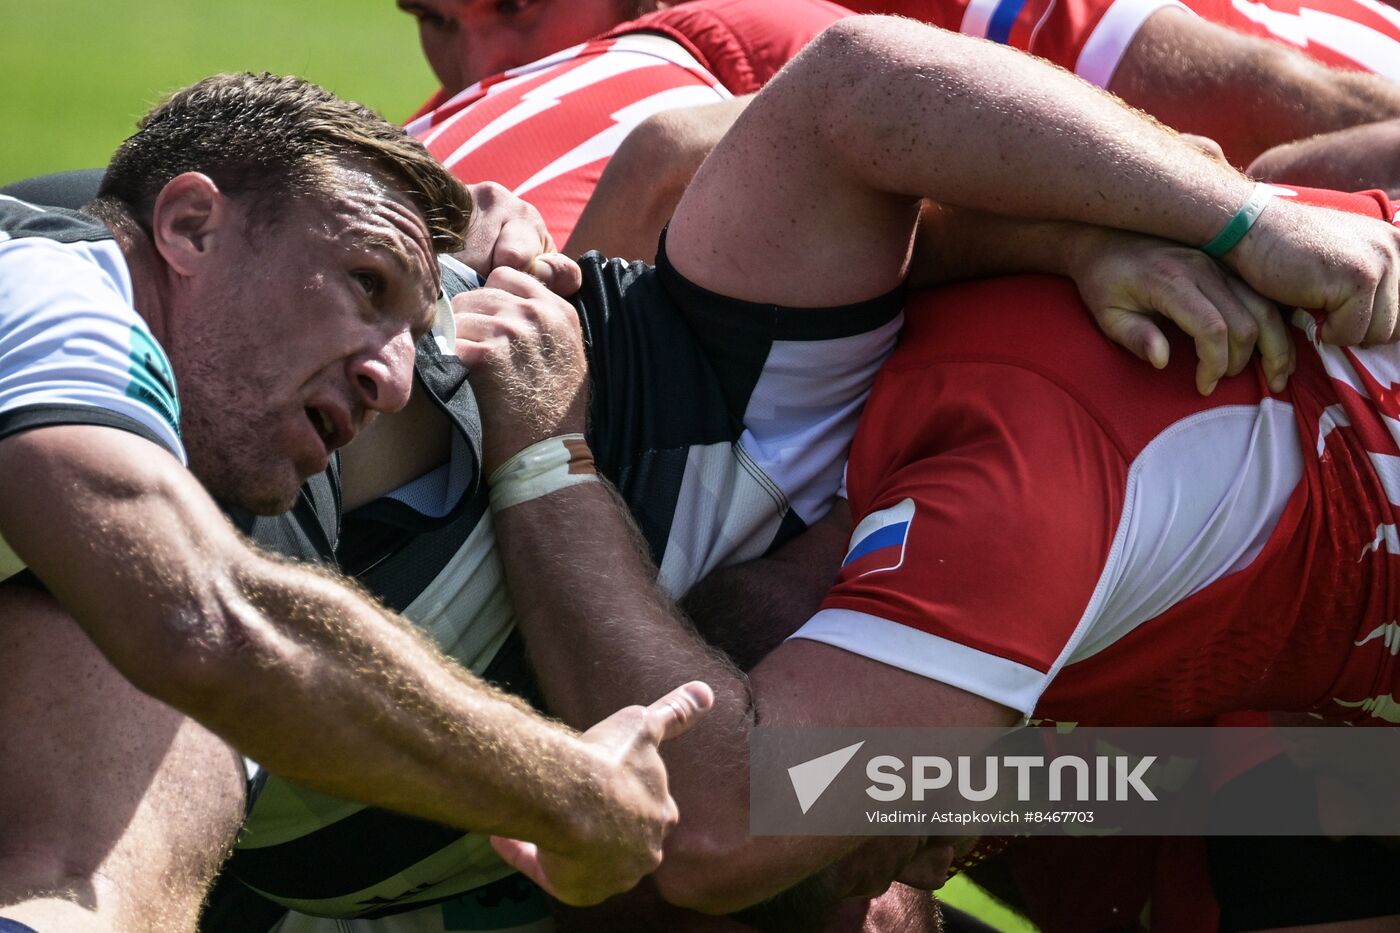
202 650
706 870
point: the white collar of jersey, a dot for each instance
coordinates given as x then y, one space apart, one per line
444 327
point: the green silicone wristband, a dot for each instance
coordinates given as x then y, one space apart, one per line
1239 225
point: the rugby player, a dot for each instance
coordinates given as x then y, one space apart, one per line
269 249
1271 71
684 416
598 90
710 865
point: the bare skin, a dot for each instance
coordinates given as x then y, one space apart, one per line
291 665
1352 159
138 857
646 176
1261 93
854 118
467 40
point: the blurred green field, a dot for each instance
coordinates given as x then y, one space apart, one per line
77 73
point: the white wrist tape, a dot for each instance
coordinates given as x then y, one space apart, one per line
547 466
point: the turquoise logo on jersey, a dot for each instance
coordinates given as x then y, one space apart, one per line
152 380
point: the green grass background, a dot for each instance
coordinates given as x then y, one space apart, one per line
76 74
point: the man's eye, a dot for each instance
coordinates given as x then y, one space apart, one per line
425 17
511 7
370 283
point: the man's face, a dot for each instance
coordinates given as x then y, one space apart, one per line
300 331
467 40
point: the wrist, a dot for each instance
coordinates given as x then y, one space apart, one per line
542 468
1238 227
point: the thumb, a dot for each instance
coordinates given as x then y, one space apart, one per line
524 857
1136 333
674 714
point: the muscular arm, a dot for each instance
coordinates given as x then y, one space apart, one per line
603 597
1259 93
811 199
289 664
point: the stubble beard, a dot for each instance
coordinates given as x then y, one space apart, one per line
233 446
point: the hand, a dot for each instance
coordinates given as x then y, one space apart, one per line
524 348
509 232
622 837
1128 280
1344 265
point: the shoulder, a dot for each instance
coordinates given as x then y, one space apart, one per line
73 348
741 43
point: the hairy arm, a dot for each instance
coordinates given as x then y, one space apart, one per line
1260 93
305 674
827 167
1352 159
604 598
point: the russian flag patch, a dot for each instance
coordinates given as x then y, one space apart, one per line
878 542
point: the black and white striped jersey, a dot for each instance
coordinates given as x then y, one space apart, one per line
723 424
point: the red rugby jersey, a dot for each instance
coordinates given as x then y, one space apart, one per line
1047 522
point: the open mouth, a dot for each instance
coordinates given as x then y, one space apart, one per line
324 427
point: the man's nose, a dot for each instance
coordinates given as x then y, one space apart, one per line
383 378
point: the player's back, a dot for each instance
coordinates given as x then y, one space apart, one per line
1090 37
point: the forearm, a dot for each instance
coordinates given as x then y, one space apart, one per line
1352 159
291 665
878 113
323 688
1259 93
1009 134
954 245
600 634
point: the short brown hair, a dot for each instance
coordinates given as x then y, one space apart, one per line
272 138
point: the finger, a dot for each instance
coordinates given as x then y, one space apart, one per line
558 273
1207 145
1384 311
1347 324
1241 326
524 857
1202 321
517 283
1137 333
1277 354
675 713
518 243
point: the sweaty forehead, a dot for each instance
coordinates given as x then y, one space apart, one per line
374 216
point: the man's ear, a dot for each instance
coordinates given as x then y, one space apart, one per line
187 221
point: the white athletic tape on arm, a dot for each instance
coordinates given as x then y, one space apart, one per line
547 466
